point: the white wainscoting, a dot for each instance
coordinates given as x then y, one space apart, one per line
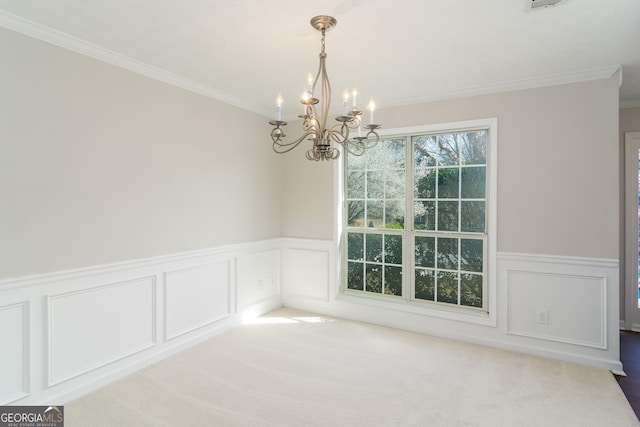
307 272
91 328
67 333
258 278
530 295
14 339
578 297
196 296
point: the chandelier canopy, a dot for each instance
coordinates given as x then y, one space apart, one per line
314 121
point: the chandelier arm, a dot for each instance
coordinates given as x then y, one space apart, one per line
372 137
354 148
338 135
358 145
356 122
284 147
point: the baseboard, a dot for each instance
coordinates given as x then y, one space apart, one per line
579 294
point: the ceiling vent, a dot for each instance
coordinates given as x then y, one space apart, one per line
541 4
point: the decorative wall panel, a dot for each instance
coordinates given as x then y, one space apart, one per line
258 278
14 356
195 297
559 307
93 327
307 273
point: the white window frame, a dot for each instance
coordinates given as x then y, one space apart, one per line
486 316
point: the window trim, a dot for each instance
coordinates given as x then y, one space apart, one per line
405 303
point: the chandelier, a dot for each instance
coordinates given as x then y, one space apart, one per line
314 121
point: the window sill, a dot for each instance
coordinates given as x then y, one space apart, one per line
459 314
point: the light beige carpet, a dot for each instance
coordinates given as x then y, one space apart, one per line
292 368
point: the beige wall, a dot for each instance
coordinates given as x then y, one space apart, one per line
557 168
629 121
99 165
308 209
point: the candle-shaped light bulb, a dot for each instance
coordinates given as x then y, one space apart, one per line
305 98
372 107
354 104
279 108
310 85
345 105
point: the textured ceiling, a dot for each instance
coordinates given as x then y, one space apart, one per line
247 52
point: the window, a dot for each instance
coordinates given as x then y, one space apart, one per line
418 217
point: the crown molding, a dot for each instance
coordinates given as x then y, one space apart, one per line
513 85
83 47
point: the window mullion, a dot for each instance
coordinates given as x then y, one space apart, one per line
408 262
459 270
459 257
435 269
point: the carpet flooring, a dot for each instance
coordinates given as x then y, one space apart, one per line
292 368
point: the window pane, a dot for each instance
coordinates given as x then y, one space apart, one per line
448 183
447 287
375 184
471 290
394 214
447 253
393 249
393 280
374 214
355 185
394 188
448 150
355 213
395 147
374 278
355 246
471 255
425 284
355 162
424 148
355 277
376 157
473 182
424 215
448 216
425 184
472 216
425 251
374 247
473 147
